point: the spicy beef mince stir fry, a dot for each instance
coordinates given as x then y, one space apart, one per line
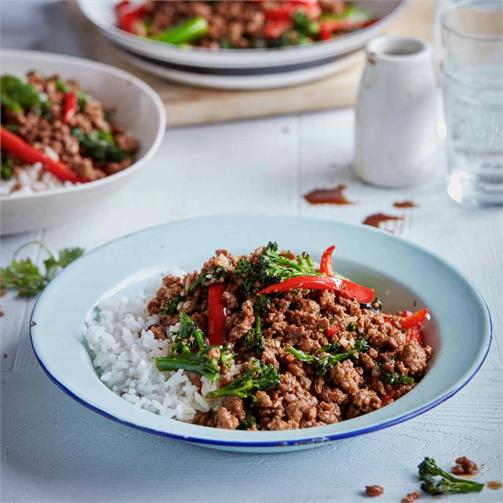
268 341
241 24
54 134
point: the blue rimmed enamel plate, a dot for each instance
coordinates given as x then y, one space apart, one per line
403 274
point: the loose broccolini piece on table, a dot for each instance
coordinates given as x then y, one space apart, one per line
436 481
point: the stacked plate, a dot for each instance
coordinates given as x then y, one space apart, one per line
240 68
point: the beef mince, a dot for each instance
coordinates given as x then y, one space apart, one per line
47 131
299 318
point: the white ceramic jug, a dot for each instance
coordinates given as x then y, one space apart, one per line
396 115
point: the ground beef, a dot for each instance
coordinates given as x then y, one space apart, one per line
303 398
231 23
373 491
465 466
47 132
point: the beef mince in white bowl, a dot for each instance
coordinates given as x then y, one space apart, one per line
69 136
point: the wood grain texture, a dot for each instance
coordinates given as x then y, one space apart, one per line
53 449
191 105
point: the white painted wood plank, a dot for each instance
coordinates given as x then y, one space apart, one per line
53 450
13 308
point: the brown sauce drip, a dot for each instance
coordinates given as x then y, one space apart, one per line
328 196
494 485
378 218
405 204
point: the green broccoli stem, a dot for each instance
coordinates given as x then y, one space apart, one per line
300 355
438 481
185 32
324 360
259 377
193 362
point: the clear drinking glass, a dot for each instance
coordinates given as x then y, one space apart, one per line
472 81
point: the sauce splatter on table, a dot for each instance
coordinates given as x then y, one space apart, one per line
328 196
377 219
405 204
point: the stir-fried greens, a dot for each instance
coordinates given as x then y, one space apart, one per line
240 24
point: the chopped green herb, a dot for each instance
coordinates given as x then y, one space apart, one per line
396 378
170 307
25 277
261 305
351 326
6 168
99 145
18 95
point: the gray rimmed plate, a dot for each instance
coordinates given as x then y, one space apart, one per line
240 68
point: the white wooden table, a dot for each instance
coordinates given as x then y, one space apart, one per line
55 450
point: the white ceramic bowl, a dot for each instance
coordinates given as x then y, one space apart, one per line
401 272
139 110
239 68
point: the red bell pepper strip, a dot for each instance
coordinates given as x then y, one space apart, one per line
122 6
415 334
325 32
282 12
342 286
415 320
69 106
216 314
18 147
326 261
330 26
127 17
332 331
274 29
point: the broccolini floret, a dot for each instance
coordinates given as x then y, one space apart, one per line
189 352
259 377
218 272
275 267
328 356
193 362
253 340
436 481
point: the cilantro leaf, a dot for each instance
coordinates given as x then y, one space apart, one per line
26 277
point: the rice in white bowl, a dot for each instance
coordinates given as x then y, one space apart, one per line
124 352
29 179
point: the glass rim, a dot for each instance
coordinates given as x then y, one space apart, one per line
467 35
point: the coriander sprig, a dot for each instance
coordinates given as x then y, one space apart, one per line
27 278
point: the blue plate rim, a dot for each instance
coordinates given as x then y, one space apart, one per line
277 443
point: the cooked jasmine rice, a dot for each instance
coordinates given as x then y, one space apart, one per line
123 351
30 179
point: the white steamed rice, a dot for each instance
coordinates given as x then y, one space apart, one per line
124 350
32 178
